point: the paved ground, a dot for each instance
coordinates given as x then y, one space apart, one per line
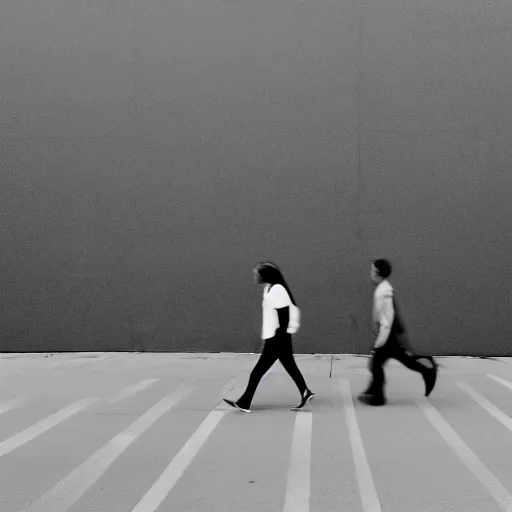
148 432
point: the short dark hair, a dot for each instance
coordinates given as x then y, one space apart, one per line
383 267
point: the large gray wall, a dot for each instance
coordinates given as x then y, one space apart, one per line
152 151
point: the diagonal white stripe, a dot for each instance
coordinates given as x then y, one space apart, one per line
12 404
468 457
71 488
487 405
367 490
167 480
503 382
131 390
42 426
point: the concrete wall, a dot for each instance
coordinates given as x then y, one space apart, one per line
153 151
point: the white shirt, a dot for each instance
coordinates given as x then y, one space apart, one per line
383 312
277 298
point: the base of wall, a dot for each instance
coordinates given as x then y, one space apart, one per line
92 355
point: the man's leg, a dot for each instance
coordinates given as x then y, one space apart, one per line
268 357
425 365
374 393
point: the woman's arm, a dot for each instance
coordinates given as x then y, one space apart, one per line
284 320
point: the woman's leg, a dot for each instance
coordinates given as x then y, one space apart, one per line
267 358
288 361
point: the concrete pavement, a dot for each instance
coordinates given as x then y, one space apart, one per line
149 432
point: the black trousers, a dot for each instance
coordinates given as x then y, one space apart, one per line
392 349
276 348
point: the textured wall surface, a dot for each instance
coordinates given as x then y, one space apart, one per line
153 151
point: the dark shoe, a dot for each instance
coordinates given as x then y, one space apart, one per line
235 405
308 395
368 399
430 376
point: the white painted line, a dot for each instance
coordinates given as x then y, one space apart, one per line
70 489
131 390
167 480
299 474
367 490
12 404
467 456
503 382
487 405
42 426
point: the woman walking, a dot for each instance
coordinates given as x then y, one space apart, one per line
281 319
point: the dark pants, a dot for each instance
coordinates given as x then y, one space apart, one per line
277 348
395 350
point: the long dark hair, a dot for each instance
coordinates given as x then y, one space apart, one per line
270 273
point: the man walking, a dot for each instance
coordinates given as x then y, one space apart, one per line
389 327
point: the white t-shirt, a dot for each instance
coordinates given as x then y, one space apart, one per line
274 299
383 312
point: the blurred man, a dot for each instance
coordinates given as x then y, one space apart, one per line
389 328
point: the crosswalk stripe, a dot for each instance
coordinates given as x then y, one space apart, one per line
467 456
367 490
12 404
494 411
299 475
35 430
167 480
131 390
503 382
72 487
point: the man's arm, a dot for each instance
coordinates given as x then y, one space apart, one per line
386 317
